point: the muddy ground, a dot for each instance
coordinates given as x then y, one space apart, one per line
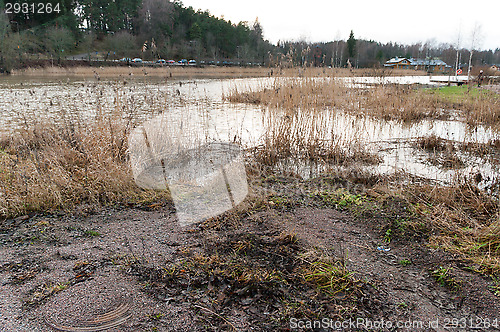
293 254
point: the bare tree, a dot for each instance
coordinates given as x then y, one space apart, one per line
475 40
155 19
457 45
59 40
121 43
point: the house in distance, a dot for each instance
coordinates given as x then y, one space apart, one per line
430 65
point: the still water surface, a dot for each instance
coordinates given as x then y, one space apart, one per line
197 106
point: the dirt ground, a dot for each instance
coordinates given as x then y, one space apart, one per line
133 268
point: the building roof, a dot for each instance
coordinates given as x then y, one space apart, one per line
395 60
417 62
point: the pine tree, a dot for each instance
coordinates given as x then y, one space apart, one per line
351 45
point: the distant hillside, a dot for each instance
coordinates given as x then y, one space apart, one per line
149 29
162 29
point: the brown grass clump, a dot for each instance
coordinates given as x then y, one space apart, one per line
490 238
462 219
488 151
395 102
47 166
432 143
388 102
293 93
383 101
483 109
305 135
299 120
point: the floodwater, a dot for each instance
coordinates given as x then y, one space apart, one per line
196 107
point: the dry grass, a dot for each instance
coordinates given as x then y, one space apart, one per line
167 71
432 143
291 93
344 72
477 106
48 166
299 125
387 102
394 102
482 110
312 90
462 219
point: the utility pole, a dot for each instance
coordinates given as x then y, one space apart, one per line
458 50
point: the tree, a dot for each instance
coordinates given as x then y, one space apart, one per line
4 43
122 44
351 45
59 40
12 45
103 16
475 41
155 19
195 32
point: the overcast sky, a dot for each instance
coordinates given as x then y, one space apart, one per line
401 21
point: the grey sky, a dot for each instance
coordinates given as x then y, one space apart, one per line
404 22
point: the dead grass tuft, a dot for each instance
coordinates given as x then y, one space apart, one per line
47 166
432 143
461 219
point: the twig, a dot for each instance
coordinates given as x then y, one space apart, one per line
216 314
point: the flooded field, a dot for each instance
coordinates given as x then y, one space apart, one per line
198 109
248 201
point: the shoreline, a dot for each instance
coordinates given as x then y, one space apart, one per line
209 71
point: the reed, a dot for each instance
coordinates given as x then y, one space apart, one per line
47 166
383 101
138 70
461 219
299 125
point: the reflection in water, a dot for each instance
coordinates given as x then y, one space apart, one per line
204 179
197 108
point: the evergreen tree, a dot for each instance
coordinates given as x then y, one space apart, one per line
351 45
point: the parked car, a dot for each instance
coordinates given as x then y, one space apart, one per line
161 61
192 62
137 60
125 59
183 62
171 62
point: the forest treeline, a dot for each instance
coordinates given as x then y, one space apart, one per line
369 53
154 29
149 29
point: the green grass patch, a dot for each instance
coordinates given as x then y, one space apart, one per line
444 278
340 198
404 262
330 277
459 94
91 233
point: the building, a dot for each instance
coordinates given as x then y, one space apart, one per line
431 65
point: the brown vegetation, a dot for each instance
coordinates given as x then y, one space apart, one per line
47 166
137 70
383 101
462 219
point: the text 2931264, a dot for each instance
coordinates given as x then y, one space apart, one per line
32 8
